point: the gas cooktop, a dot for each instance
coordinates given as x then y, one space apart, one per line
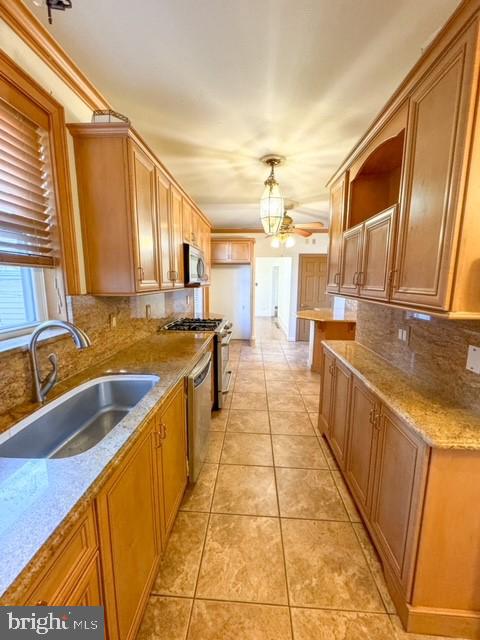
194 324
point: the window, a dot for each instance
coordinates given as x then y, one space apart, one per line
22 299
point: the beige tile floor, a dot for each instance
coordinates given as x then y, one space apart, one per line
268 545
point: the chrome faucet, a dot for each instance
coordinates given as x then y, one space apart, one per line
42 386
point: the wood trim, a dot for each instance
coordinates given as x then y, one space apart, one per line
24 23
257 230
23 83
466 12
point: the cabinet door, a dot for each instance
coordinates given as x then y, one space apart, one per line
337 215
220 251
351 260
187 214
174 455
240 251
144 220
340 412
435 146
163 213
398 494
88 591
176 237
377 253
130 538
362 441
327 370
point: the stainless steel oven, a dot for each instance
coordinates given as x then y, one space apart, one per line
223 334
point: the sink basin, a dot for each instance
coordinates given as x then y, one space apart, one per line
77 420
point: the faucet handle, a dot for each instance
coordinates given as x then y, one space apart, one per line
51 378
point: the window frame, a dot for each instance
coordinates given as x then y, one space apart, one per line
29 98
39 295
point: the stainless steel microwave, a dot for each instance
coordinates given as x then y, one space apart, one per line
194 264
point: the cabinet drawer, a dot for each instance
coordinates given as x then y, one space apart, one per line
64 570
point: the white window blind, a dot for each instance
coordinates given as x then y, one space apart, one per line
27 230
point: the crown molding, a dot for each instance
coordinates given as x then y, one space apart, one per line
37 37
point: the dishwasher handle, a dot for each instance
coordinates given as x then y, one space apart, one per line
201 371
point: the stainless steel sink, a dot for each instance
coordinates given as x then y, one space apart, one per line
78 420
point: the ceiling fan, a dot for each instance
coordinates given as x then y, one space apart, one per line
288 229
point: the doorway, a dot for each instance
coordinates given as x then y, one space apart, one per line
312 284
273 277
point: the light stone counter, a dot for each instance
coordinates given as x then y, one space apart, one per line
40 499
440 422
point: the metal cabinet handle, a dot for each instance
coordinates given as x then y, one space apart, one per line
336 278
163 430
391 280
355 278
41 603
141 274
360 278
158 439
331 369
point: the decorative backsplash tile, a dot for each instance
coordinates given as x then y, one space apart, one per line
92 314
435 352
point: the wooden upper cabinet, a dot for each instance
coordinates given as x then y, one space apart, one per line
233 251
398 493
435 146
176 238
240 251
377 255
144 222
187 214
351 260
220 251
362 442
338 195
337 433
129 524
132 214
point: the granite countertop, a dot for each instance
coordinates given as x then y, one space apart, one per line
40 499
327 315
438 421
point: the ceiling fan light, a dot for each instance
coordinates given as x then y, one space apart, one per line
290 242
275 243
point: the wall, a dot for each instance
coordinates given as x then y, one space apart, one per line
436 352
316 244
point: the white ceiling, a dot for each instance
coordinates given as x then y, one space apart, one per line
215 84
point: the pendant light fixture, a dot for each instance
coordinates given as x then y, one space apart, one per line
271 202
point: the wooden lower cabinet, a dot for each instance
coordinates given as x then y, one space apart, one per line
172 456
362 443
418 502
130 539
327 370
70 566
398 494
339 411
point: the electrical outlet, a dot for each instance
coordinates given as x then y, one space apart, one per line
473 359
112 320
187 300
148 311
404 335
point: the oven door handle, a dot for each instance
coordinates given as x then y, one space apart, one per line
205 362
229 374
226 341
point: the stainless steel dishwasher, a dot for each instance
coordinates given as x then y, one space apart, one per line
199 414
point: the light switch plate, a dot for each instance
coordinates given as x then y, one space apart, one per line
473 359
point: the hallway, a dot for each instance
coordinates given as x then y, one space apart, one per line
268 545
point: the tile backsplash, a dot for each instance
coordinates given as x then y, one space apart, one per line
94 315
435 353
